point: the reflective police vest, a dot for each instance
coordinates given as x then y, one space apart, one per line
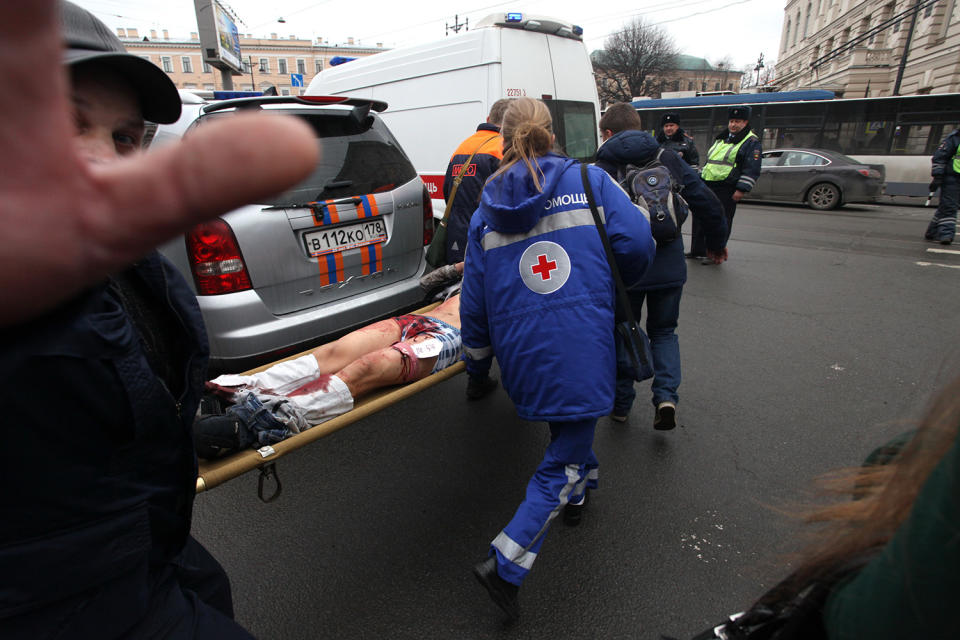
721 159
956 161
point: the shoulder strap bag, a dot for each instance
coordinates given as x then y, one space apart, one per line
633 346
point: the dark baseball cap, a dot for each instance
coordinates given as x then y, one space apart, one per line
88 41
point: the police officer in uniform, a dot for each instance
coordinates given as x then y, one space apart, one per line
676 139
731 170
946 176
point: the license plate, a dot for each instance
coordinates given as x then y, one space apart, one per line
343 238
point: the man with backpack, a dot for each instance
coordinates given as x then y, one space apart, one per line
633 158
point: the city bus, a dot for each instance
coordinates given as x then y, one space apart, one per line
899 132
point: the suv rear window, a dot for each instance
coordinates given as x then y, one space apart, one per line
355 159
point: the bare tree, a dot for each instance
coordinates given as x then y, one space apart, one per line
635 61
751 78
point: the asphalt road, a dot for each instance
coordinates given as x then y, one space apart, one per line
823 336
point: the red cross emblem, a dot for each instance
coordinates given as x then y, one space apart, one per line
544 266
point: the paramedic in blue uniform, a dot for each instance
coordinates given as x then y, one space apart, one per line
538 294
730 170
662 285
946 176
481 153
101 393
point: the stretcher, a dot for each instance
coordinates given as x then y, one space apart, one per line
213 473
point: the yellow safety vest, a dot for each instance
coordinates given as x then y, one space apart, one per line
956 161
721 159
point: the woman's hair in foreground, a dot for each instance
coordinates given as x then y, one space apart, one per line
527 134
884 495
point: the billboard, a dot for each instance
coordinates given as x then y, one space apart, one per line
219 36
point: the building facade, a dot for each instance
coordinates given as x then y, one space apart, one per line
692 75
268 62
814 28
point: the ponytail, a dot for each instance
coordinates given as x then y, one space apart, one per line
527 134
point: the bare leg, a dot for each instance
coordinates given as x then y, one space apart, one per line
382 368
334 356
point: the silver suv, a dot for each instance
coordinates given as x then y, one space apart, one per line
336 251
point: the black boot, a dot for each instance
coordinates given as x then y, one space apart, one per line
503 593
478 387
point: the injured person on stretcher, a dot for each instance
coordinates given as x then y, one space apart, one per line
294 395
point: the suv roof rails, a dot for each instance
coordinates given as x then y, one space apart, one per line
257 101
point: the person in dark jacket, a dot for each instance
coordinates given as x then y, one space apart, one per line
538 294
731 169
475 160
661 287
946 177
672 137
102 391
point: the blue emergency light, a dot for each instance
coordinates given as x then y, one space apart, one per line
514 17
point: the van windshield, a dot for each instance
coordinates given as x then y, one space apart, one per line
575 125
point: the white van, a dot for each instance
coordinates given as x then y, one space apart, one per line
439 92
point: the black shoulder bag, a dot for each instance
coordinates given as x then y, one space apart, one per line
632 342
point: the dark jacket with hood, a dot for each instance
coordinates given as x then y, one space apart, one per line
638 147
682 144
538 292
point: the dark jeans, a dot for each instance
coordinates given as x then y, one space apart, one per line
663 310
698 239
943 225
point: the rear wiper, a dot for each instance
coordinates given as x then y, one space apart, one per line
315 203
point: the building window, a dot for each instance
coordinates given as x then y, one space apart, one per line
690 86
703 86
301 66
282 65
729 86
264 65
284 92
786 40
796 32
806 23
208 87
928 11
319 65
206 67
167 64
186 64
716 86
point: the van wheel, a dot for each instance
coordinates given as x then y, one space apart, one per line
823 196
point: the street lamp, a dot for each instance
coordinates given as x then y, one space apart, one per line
758 67
253 83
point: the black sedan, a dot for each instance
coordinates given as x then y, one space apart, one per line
820 178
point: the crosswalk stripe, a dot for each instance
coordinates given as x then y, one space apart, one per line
955 252
937 264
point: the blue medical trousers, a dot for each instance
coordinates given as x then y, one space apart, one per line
568 468
663 310
943 225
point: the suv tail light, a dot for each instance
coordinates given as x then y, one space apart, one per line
427 217
869 173
215 259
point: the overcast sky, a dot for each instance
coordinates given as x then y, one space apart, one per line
712 29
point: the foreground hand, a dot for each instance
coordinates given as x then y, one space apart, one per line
66 224
718 257
737 195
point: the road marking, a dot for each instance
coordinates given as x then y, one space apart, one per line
937 264
955 252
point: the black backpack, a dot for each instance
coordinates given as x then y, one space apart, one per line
654 188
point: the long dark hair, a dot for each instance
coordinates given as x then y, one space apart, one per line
854 528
